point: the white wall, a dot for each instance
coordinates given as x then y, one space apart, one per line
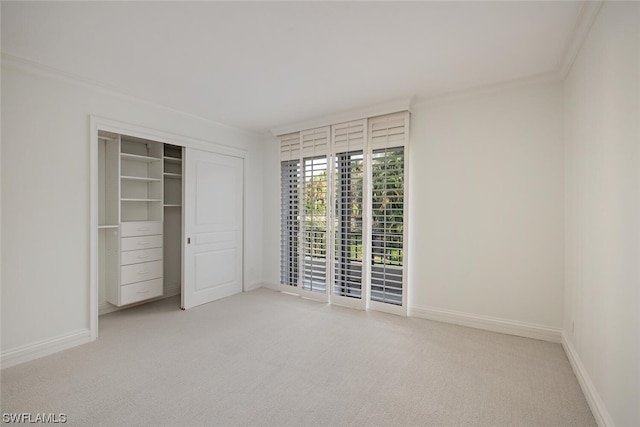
271 223
486 214
45 196
602 276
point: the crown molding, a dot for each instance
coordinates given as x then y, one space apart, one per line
586 18
393 106
12 62
486 89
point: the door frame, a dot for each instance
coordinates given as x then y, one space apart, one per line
97 124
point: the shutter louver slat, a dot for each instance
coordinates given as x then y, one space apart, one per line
394 123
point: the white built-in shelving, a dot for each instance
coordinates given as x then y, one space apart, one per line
139 158
171 159
172 176
139 178
140 218
130 218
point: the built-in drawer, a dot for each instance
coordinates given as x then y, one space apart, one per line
143 242
145 255
140 228
140 291
140 272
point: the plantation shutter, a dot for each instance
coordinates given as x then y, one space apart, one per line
349 136
290 146
315 141
391 130
388 136
290 221
315 197
348 145
348 226
290 179
343 215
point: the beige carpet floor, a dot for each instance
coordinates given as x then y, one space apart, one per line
268 359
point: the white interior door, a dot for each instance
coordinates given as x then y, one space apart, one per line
213 219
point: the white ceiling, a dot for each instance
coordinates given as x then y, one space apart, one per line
261 65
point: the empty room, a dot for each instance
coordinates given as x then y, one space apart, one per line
320 213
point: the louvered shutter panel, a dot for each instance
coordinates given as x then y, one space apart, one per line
290 179
348 256
391 130
387 226
349 136
290 221
315 142
290 146
348 141
314 223
388 137
315 174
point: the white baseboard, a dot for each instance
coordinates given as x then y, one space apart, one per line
598 408
279 287
296 291
510 327
44 348
105 308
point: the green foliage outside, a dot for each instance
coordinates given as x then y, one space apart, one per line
387 208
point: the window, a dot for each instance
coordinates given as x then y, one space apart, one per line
343 220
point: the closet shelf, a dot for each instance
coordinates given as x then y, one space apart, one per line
140 178
127 156
141 200
172 175
172 159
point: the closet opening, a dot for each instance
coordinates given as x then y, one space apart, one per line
139 221
167 218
